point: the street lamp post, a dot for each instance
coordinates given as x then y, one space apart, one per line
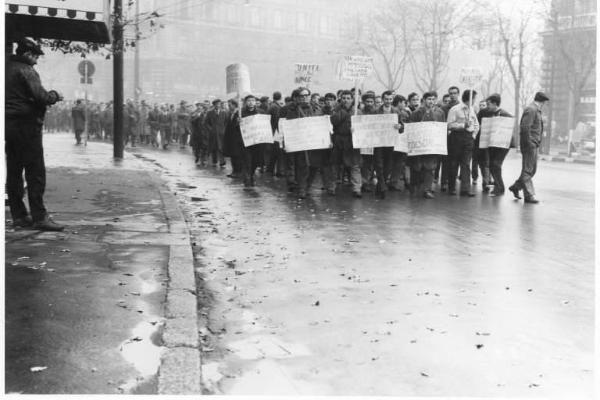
118 47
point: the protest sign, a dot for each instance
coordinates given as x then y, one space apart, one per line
470 76
256 129
306 74
374 130
238 79
496 132
426 138
401 143
353 68
309 133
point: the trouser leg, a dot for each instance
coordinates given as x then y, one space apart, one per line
528 170
497 156
428 165
14 169
397 180
35 174
465 155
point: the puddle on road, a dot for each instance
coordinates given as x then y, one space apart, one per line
143 350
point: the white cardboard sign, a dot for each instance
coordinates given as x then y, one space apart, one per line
427 138
356 67
374 130
309 133
256 129
401 143
496 132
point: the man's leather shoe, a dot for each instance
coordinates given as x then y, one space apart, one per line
452 192
428 195
48 225
468 194
23 222
531 200
514 191
357 195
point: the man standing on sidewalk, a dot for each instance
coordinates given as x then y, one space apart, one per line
78 114
25 106
531 131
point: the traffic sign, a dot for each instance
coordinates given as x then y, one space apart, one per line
82 80
90 68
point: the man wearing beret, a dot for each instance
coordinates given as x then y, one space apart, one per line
25 105
531 129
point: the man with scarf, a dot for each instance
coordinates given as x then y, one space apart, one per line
343 152
252 155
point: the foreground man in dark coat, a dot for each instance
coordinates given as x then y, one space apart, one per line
25 106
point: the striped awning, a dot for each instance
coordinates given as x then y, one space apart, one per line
81 20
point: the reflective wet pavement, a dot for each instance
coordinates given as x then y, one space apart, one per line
452 296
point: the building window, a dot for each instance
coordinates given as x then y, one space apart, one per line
277 20
254 17
301 22
231 13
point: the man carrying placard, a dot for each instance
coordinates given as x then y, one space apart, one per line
343 151
383 156
495 155
253 154
463 126
366 168
422 166
531 131
308 162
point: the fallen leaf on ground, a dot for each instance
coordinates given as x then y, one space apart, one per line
479 346
424 374
37 369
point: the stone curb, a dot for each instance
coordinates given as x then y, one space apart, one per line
180 365
567 160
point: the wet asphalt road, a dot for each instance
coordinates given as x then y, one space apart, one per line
402 296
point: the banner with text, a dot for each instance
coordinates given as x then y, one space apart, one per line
426 138
256 129
496 132
401 143
352 68
309 133
237 79
374 130
306 74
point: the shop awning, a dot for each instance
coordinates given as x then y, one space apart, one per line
72 20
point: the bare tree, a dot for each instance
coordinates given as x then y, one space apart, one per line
385 40
517 38
436 24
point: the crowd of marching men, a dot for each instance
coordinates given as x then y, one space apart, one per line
212 129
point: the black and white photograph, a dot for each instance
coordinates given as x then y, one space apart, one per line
390 198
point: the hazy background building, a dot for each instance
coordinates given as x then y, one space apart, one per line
569 65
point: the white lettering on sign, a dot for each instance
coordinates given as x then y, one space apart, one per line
309 133
496 132
374 130
426 138
256 129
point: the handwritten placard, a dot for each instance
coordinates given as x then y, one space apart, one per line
355 67
309 133
496 132
426 138
401 143
375 130
306 74
256 129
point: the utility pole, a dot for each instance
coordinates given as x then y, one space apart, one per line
118 47
136 58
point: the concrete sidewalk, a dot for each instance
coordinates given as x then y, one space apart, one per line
108 305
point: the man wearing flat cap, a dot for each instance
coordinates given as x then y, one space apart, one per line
26 101
531 129
216 120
